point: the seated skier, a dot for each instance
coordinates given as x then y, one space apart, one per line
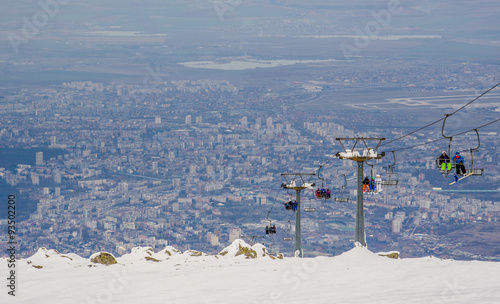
378 183
459 164
444 161
372 185
366 183
328 193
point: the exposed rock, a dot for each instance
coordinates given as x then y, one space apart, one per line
151 259
103 258
391 254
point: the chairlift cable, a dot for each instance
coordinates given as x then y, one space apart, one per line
439 120
439 139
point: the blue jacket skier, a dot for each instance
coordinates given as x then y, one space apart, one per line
459 163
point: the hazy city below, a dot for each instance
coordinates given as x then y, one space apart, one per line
132 123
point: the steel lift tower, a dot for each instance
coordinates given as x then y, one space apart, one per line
360 155
295 181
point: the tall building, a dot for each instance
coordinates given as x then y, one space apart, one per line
192 169
57 178
53 140
257 123
158 120
234 234
188 120
244 122
199 120
39 158
396 225
397 222
35 179
214 241
269 122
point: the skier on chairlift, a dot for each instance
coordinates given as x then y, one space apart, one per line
378 183
366 184
444 161
371 185
459 164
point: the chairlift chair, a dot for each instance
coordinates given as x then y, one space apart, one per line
438 159
269 227
445 172
310 208
289 236
389 177
472 170
341 195
342 198
323 191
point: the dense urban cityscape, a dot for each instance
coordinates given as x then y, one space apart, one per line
140 166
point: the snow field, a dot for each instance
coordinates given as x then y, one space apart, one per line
356 276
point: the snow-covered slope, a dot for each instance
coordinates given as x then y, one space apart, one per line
356 276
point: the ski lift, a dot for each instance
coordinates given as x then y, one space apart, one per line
289 202
472 170
291 205
341 194
271 228
322 193
449 165
310 208
371 182
288 236
389 177
468 172
271 232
